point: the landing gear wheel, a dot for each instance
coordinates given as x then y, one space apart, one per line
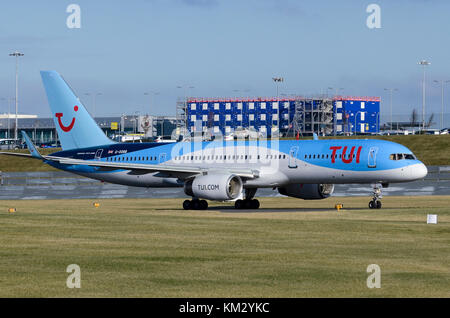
246 204
195 204
375 204
187 204
378 204
203 205
254 204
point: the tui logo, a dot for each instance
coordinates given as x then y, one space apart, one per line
61 125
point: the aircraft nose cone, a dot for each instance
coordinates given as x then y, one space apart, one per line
419 171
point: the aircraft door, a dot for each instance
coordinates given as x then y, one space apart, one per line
293 157
372 161
162 158
98 154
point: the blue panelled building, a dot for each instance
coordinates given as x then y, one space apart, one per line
287 115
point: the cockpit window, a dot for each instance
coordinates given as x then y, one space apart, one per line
402 156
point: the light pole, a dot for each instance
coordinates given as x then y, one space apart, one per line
390 96
277 80
329 88
424 63
151 94
6 100
93 100
442 82
16 54
9 116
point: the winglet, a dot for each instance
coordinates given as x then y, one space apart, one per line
34 152
315 137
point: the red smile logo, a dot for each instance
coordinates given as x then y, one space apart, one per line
66 128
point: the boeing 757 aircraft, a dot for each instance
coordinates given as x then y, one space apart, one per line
220 170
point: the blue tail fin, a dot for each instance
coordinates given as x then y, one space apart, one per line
75 127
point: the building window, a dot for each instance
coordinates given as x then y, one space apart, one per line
228 106
193 106
263 105
216 106
251 105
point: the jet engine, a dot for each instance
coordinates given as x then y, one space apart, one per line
307 191
219 187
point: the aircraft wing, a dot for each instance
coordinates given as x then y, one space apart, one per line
179 171
176 171
27 155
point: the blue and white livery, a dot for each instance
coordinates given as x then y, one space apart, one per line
221 170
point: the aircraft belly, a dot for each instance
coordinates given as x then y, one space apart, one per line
135 180
308 173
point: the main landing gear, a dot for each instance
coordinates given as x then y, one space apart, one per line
195 204
248 202
376 202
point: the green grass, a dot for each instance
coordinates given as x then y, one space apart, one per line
152 248
19 164
430 149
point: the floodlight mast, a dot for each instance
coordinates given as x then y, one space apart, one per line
16 54
424 63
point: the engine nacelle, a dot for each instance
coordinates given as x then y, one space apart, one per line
307 191
219 187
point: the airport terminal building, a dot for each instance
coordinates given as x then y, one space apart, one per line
42 130
288 115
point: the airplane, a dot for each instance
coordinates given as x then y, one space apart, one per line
220 170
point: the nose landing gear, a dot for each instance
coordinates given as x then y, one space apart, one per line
376 202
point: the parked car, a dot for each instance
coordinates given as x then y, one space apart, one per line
50 145
445 131
10 144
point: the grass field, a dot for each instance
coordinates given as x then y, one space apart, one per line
430 149
152 248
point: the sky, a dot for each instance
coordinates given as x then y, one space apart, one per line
224 48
